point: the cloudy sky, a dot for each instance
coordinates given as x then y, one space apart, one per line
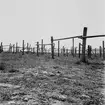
33 20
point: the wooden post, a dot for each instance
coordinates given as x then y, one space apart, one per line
52 47
73 47
79 49
58 47
23 48
10 48
89 51
16 47
42 47
100 51
67 52
27 48
75 51
103 50
95 52
13 48
63 51
1 49
83 58
37 48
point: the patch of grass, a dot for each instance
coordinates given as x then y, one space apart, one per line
2 66
5 94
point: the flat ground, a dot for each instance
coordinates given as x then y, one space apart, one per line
30 80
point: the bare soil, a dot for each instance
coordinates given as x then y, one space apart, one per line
31 80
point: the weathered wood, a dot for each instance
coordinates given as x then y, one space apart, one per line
68 38
37 48
95 52
75 51
27 48
13 48
103 50
42 46
73 46
83 58
79 49
89 51
58 47
16 47
67 52
1 47
23 48
52 48
63 51
100 49
93 36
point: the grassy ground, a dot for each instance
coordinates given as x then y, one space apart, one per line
30 80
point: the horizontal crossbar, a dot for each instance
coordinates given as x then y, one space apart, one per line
81 37
93 36
68 38
45 44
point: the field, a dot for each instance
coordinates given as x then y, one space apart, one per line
31 80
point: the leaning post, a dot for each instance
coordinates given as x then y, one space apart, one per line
83 58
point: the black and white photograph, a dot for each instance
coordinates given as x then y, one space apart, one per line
52 52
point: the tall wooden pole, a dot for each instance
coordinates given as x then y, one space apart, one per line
73 46
58 47
95 52
52 47
103 50
75 51
1 47
42 46
37 48
83 58
100 51
79 49
16 47
23 48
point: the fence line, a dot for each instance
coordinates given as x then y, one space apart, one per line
41 48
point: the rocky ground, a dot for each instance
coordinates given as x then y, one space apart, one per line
30 80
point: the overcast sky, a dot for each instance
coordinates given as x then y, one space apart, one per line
33 20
